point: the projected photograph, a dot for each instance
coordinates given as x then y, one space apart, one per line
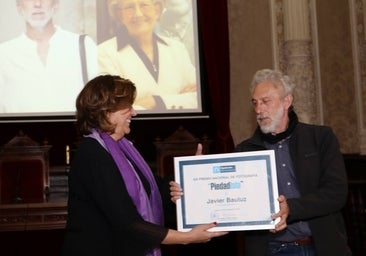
53 47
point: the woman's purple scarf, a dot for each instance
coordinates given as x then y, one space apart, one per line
123 151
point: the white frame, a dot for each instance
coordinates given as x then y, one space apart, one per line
237 190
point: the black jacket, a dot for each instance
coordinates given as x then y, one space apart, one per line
321 177
102 219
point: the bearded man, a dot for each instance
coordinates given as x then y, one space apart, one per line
41 69
312 180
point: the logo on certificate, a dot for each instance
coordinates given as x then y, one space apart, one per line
224 169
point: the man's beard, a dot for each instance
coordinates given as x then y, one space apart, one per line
39 24
275 121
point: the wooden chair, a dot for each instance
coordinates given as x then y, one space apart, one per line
24 171
180 143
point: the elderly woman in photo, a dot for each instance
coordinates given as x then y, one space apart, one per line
160 67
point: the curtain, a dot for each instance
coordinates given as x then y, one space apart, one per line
214 34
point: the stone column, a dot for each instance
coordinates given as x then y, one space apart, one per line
359 36
298 58
363 10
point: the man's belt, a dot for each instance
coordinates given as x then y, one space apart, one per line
305 241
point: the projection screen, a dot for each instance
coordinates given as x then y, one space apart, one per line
49 49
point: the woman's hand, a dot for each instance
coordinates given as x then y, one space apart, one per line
200 233
189 88
146 102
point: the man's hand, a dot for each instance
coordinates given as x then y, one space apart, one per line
282 214
175 191
199 149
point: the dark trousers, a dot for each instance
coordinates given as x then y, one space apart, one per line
289 249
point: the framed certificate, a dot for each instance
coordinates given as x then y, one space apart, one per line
236 190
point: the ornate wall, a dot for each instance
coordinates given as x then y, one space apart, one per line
250 50
358 22
319 43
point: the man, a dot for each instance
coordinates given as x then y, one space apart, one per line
311 175
41 69
310 170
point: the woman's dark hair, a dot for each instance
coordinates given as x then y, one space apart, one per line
102 95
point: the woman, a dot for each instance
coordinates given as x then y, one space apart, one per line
160 67
114 204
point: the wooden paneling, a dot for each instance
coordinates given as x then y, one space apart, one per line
37 216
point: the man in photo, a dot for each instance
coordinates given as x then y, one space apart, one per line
41 70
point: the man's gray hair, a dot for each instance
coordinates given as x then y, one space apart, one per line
273 76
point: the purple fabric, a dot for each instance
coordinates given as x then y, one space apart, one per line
123 151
